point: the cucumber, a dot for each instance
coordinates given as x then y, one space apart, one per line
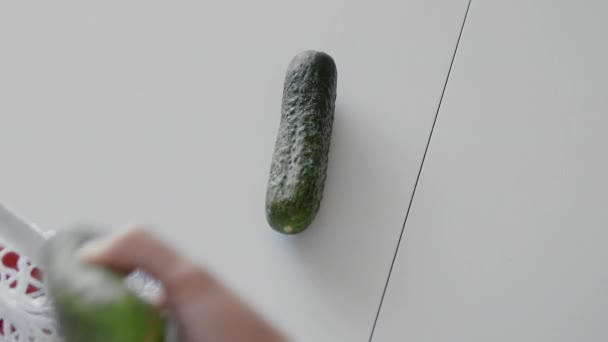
91 303
299 163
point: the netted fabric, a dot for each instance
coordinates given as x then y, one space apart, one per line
25 311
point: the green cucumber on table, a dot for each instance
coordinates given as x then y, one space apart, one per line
299 163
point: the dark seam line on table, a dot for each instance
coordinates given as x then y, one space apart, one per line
428 143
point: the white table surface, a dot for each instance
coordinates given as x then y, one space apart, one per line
166 113
506 240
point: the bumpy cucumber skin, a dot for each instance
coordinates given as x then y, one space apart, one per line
299 163
91 303
125 319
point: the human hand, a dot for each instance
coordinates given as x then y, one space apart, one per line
204 310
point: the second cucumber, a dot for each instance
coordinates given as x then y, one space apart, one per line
299 164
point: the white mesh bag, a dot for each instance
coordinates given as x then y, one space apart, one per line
26 312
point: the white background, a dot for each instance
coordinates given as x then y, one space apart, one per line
166 113
506 239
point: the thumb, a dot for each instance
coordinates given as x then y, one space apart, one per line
137 248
